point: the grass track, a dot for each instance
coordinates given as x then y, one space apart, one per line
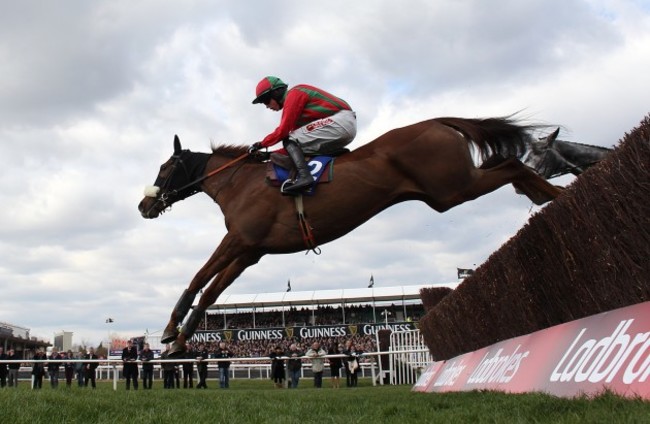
255 401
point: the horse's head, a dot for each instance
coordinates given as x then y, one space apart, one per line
540 146
174 182
551 157
540 155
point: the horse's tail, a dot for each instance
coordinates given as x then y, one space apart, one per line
501 136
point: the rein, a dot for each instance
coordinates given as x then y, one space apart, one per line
165 196
213 172
305 228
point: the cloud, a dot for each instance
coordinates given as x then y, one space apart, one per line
91 95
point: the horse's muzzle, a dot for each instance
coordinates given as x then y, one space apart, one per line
147 208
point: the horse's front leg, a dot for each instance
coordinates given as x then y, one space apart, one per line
223 280
221 258
178 313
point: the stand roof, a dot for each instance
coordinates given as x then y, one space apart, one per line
323 297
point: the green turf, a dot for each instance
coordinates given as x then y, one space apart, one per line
257 401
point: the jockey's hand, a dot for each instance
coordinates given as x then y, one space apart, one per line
255 147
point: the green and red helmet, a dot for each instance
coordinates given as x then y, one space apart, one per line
266 86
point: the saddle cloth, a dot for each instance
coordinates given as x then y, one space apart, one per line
280 169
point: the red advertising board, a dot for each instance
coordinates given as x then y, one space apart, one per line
605 351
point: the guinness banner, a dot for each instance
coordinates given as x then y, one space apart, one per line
278 333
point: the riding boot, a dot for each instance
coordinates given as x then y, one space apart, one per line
304 178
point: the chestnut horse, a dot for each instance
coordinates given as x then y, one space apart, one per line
430 161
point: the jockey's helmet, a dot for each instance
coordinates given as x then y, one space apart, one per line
266 87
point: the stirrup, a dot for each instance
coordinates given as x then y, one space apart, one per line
289 187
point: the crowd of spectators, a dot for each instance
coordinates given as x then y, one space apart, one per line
263 348
302 317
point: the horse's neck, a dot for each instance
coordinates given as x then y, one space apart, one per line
225 173
580 153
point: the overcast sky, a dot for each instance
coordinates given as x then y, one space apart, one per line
92 93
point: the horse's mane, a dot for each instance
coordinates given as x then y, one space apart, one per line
229 150
573 143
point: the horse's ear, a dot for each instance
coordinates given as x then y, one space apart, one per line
177 145
552 137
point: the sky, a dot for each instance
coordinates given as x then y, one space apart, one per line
92 93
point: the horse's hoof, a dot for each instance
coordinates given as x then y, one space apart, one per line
177 350
169 335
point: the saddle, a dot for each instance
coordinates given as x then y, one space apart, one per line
280 168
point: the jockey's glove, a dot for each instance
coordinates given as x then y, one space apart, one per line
255 147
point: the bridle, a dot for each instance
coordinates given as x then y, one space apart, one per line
167 197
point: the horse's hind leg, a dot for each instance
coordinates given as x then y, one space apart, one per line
534 186
512 171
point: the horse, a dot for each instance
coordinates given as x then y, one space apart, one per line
552 158
430 161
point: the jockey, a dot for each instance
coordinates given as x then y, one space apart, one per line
313 122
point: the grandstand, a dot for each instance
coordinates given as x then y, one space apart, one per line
335 306
253 323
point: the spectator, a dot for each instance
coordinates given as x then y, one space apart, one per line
188 368
202 366
335 364
146 356
90 368
130 368
168 370
294 365
277 366
80 369
352 361
3 367
224 366
38 369
317 363
346 347
13 368
68 369
177 375
53 368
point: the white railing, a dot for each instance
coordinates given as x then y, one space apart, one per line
408 356
258 367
